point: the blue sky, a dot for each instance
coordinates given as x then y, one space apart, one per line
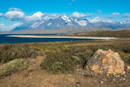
107 9
63 6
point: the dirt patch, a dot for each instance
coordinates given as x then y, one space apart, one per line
43 79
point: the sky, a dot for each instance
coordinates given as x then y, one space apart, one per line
14 13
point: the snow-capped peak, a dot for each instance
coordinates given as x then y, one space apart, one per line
64 17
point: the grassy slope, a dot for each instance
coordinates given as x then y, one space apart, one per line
35 77
31 50
119 33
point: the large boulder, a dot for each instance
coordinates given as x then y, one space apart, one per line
105 62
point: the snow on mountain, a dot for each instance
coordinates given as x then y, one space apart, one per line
81 22
72 22
36 24
64 17
60 22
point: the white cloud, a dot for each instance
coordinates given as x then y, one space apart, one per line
126 15
39 16
50 16
14 9
81 22
111 16
115 13
14 15
1 14
79 15
98 19
36 16
71 2
3 27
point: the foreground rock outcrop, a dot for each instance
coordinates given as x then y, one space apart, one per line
105 62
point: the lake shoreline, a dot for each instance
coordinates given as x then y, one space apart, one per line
73 37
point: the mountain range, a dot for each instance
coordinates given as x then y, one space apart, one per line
71 22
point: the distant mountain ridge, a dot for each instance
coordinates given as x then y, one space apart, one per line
71 22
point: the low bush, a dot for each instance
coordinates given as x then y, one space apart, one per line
15 51
30 69
125 57
12 67
58 62
66 60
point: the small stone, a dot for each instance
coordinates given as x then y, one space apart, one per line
101 82
117 76
82 73
70 75
128 67
120 80
114 74
107 74
123 73
114 80
123 79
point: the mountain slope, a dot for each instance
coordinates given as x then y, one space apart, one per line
72 22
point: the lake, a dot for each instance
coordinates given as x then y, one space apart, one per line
5 39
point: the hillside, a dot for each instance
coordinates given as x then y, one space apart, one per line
59 64
55 31
117 33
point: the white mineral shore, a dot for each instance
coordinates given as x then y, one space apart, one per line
73 37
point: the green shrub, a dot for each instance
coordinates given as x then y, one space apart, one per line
4 73
30 69
58 62
125 57
66 60
12 67
15 51
49 51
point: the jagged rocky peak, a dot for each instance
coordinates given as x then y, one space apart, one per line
64 17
